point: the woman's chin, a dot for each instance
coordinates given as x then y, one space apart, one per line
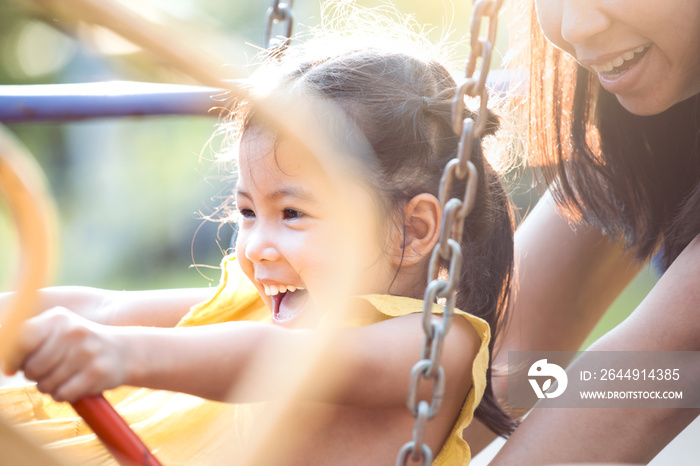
644 107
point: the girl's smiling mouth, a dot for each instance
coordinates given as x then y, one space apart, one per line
288 301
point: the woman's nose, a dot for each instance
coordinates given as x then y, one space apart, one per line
260 246
582 20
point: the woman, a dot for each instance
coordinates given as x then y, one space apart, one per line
615 124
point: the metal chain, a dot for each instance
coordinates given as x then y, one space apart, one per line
279 12
455 210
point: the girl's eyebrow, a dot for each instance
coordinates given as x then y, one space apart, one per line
296 192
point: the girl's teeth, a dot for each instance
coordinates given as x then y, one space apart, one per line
627 56
618 61
639 49
273 290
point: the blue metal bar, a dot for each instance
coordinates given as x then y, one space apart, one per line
68 102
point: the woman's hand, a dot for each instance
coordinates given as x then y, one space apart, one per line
69 356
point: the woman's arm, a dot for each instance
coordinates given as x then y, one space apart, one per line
156 308
565 281
667 320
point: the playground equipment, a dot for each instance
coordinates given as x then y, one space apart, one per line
33 212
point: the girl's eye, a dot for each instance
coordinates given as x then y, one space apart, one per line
246 213
292 214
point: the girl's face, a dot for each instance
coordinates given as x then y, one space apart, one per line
646 52
304 235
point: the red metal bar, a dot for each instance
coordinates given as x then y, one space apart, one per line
114 432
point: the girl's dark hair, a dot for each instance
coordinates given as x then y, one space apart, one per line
637 178
403 107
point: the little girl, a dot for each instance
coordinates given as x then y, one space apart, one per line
336 242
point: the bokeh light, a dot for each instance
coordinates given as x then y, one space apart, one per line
41 49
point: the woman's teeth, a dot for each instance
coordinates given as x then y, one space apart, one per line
273 290
618 61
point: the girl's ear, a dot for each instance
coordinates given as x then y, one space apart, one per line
421 229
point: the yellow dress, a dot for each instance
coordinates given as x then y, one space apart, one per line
182 429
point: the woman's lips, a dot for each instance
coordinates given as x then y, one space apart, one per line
623 79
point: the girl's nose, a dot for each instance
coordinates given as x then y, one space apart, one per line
582 20
260 246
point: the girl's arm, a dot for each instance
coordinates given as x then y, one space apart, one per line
157 308
667 320
369 366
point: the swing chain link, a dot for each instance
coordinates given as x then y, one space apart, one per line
447 253
279 12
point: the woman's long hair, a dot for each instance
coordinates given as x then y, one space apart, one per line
637 178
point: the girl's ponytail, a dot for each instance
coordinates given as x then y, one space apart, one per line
485 285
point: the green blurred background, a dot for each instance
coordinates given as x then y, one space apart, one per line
132 192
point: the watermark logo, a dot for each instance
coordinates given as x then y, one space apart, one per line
603 379
542 368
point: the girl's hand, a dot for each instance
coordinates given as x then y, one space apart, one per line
69 356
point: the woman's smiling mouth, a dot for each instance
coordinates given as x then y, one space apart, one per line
623 73
622 63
